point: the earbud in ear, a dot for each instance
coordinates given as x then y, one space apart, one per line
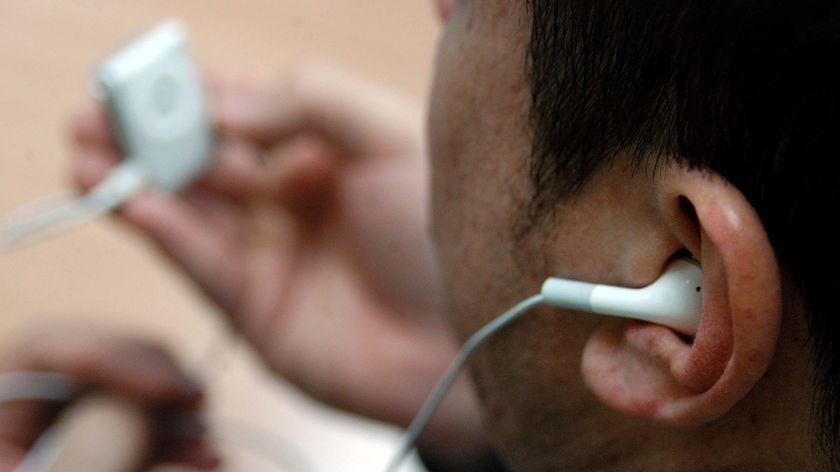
674 300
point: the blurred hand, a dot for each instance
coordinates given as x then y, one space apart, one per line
311 233
141 374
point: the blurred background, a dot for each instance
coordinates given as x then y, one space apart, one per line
102 275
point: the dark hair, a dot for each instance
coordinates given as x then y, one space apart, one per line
747 88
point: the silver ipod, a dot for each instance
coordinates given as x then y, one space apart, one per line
156 100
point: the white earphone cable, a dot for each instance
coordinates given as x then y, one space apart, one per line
45 386
36 386
415 429
40 221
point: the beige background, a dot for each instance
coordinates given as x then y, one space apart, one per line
102 275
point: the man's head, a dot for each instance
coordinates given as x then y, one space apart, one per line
598 139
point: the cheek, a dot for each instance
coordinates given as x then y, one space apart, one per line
479 180
448 138
479 143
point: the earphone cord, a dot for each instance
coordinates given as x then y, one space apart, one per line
415 429
44 386
40 221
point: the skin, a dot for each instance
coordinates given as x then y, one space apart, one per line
569 391
480 187
317 201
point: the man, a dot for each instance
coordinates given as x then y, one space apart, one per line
588 139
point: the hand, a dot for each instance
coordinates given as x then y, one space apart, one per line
311 233
141 374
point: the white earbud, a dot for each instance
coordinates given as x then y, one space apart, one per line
674 300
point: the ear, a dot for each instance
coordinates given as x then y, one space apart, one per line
651 371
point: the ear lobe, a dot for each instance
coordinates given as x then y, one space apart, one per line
648 370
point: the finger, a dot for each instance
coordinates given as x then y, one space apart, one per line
195 237
134 369
187 230
90 167
131 369
11 455
21 422
306 181
183 234
239 169
90 127
243 171
354 116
